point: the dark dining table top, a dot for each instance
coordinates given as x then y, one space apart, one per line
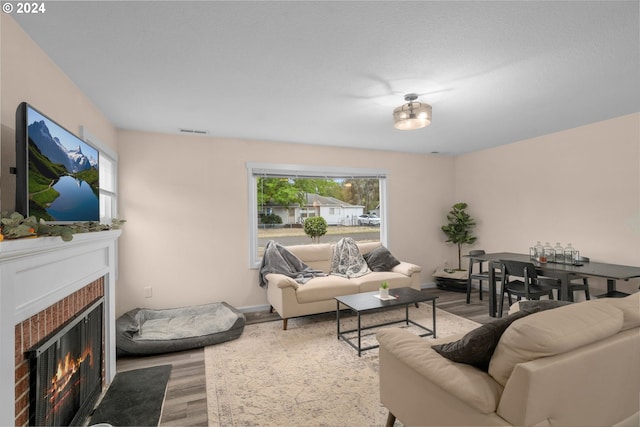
592 268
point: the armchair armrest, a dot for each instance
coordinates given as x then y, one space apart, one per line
406 268
464 382
281 281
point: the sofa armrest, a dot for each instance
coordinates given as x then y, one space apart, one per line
281 281
406 268
466 383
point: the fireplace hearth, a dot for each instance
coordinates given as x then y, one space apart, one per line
66 371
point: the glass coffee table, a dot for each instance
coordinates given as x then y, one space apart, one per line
368 302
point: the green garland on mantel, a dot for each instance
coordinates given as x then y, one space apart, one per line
14 225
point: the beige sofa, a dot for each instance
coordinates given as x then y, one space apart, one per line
291 299
577 365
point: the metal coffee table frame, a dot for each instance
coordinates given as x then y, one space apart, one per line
366 302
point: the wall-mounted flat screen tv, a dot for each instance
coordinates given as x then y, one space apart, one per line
56 172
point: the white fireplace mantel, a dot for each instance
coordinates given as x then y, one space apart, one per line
35 273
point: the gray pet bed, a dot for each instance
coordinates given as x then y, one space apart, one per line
145 331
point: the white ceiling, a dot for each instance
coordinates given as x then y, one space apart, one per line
329 72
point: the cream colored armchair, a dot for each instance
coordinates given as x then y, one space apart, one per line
577 365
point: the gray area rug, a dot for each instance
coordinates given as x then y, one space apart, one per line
305 375
134 398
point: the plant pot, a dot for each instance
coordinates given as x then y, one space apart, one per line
384 293
455 285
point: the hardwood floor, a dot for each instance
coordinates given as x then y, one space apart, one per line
186 399
456 303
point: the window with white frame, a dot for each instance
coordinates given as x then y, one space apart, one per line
108 178
281 197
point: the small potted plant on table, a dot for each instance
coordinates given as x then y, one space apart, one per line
384 290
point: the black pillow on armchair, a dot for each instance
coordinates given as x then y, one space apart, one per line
476 347
380 259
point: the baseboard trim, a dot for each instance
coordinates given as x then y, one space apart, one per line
254 308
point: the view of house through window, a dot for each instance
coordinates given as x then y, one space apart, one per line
350 205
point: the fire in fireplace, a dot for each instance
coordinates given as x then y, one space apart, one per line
66 371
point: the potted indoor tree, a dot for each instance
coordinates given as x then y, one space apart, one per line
458 230
315 227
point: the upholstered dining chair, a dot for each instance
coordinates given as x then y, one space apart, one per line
520 279
480 275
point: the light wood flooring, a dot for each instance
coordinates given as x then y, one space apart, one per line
186 400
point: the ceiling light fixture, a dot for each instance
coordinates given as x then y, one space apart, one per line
412 115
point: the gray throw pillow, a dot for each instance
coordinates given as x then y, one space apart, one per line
380 259
476 347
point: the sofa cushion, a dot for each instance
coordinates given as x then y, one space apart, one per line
325 288
372 281
630 307
406 268
380 259
477 346
552 332
366 247
315 256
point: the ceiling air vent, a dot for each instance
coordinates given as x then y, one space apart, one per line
194 131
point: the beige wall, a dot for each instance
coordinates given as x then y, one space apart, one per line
186 203
185 197
579 186
28 74
187 234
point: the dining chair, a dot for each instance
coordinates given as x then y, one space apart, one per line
520 279
481 275
581 285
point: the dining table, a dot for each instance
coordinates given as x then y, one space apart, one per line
561 271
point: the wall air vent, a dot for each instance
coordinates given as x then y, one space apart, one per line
194 131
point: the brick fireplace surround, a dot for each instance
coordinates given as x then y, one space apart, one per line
37 327
43 283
